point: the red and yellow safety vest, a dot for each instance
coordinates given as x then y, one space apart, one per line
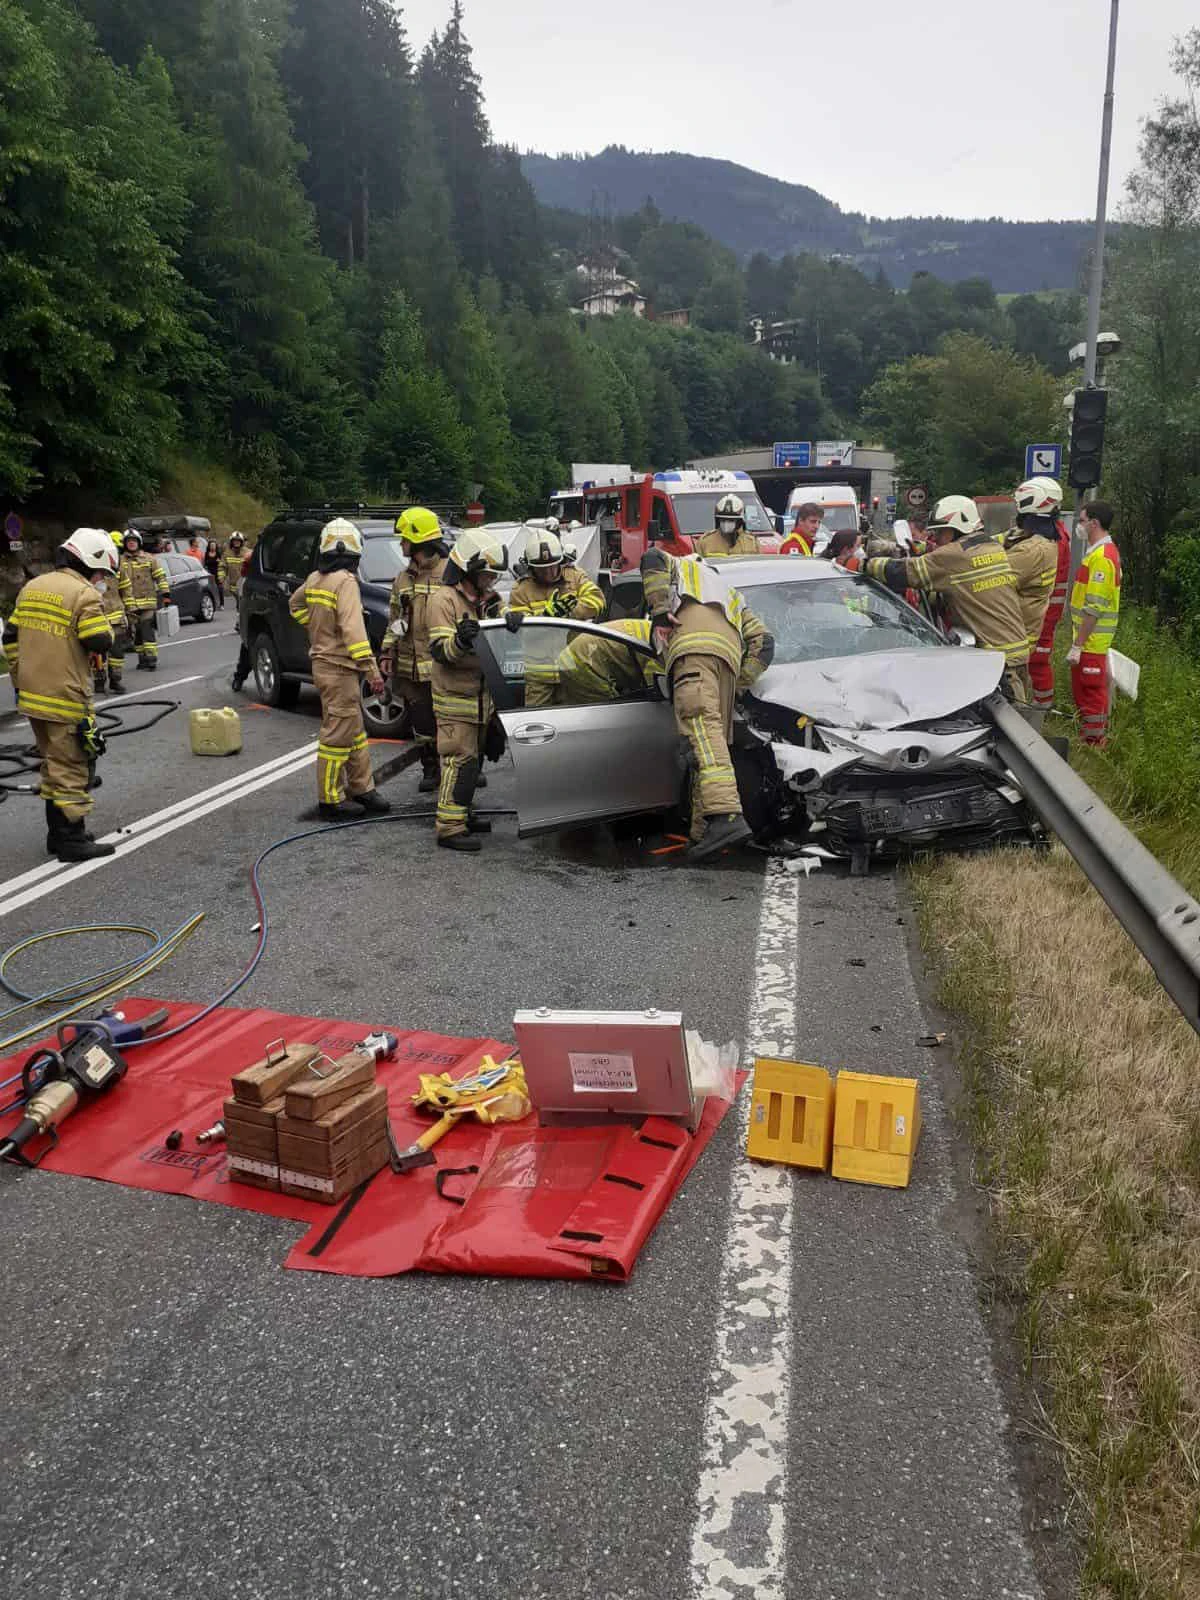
1097 593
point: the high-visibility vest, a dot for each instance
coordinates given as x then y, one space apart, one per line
1097 593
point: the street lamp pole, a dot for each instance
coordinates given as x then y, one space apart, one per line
1097 284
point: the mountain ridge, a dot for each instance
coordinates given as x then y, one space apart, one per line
750 211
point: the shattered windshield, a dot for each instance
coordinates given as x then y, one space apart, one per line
837 616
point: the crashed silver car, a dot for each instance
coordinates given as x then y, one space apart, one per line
865 735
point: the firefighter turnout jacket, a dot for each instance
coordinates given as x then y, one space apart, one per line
716 544
712 619
1034 560
573 595
593 669
459 692
329 606
58 621
143 585
412 595
1097 593
975 579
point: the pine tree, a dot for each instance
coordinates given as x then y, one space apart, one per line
415 437
454 101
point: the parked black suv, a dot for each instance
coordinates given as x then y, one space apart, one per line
284 556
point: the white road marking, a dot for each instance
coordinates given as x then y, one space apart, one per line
196 638
52 876
739 1544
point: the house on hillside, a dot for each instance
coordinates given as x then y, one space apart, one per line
673 319
615 294
776 339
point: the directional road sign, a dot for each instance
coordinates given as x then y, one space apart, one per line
1043 460
794 453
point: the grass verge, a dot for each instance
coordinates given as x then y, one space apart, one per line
1083 1094
204 490
1083 1089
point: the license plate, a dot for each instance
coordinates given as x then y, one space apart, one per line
917 815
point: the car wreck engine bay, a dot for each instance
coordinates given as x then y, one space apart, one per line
865 738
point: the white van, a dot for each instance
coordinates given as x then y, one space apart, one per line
838 503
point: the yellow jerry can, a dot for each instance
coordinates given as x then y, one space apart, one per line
791 1114
216 733
876 1128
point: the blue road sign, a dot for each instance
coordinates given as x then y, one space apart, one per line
795 453
1043 460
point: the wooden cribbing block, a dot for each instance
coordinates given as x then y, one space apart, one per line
267 1079
310 1097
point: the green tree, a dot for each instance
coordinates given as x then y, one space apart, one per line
454 101
91 202
415 436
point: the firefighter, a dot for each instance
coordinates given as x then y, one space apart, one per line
712 646
231 565
972 576
730 536
461 703
108 670
408 665
143 587
555 587
328 604
1095 611
593 668
1032 547
57 625
1041 659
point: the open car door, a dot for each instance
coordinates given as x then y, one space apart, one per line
591 735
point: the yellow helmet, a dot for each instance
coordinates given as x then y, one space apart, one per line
116 536
341 538
418 526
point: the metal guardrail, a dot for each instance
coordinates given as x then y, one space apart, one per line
1155 910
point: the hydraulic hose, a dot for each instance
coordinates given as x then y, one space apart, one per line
18 758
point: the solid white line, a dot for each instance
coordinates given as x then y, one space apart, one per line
744 1461
52 876
198 638
119 699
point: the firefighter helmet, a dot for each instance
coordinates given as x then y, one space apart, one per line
958 513
418 526
236 537
552 525
1039 497
731 514
340 538
131 533
477 551
544 548
93 549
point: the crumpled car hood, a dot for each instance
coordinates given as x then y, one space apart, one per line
887 690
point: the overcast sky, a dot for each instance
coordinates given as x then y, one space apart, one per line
931 106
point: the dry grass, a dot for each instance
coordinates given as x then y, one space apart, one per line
1085 1097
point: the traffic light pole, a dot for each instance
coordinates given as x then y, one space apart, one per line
1097 284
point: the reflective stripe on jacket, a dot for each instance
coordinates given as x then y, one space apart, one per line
975 579
533 599
1034 560
58 621
328 605
459 693
143 583
410 599
716 544
1097 593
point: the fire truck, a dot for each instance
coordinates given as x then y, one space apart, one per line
667 509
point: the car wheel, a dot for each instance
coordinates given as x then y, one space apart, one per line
273 688
384 719
208 609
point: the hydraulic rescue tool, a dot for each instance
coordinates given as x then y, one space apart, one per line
494 1093
53 1082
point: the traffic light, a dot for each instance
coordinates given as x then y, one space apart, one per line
1087 437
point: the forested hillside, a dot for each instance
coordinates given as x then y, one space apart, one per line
276 235
750 212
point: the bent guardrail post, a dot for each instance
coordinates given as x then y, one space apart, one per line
1156 911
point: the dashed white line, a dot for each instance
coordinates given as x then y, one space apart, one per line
739 1543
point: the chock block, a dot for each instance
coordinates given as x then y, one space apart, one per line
876 1127
791 1114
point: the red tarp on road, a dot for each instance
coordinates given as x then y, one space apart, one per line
561 1203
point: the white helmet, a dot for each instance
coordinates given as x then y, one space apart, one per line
551 524
341 538
94 548
544 548
731 509
478 551
1039 497
959 513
